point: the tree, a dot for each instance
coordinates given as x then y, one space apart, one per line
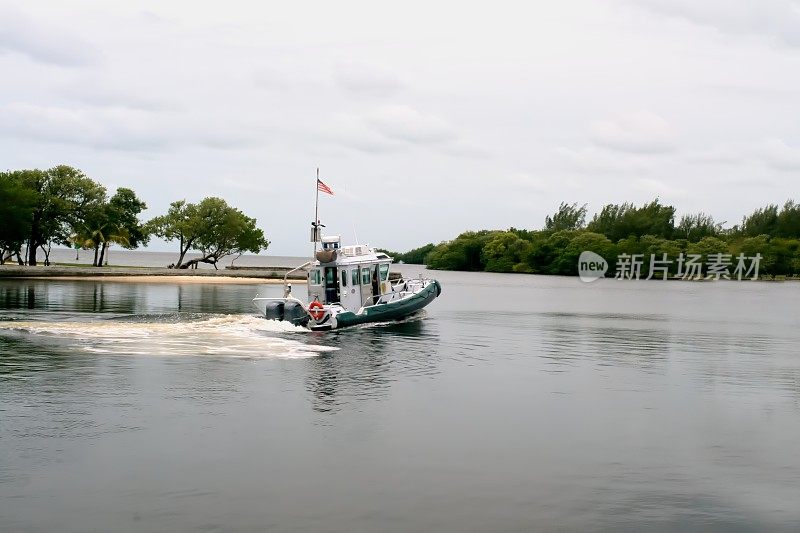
64 197
621 221
506 252
568 217
646 230
707 246
212 227
788 224
567 260
92 232
182 223
556 257
127 230
112 221
16 209
763 221
695 227
650 245
417 256
462 253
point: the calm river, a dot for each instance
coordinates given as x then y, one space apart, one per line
513 403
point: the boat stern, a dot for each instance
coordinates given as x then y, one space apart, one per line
282 309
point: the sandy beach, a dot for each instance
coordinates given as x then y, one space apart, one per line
150 275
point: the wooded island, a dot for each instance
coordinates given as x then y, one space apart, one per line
619 229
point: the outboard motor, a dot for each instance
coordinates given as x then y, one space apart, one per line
274 310
295 313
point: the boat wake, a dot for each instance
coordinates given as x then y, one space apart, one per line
226 335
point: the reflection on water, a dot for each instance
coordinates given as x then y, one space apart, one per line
128 298
511 403
370 359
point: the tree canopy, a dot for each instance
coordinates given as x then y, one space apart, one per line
211 227
63 206
770 220
568 216
57 201
618 221
648 229
112 221
16 211
417 256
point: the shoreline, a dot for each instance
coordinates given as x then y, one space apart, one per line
149 274
227 280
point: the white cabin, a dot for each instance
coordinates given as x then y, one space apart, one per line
353 276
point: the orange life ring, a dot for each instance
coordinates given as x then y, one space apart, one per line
315 310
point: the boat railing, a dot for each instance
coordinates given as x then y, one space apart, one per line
378 299
301 267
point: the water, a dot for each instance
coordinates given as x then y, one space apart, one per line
512 403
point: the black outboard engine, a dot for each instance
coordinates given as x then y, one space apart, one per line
295 313
274 310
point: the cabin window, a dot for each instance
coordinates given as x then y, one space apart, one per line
384 272
344 278
355 276
365 276
330 275
314 277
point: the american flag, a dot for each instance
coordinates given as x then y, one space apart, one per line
324 188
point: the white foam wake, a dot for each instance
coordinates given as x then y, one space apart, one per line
229 335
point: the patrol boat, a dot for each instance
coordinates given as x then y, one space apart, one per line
347 285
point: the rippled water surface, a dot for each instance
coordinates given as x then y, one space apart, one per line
512 403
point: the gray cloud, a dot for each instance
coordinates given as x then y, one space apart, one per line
43 43
351 131
404 123
779 155
117 129
594 160
395 128
773 153
641 132
777 20
524 182
366 80
98 92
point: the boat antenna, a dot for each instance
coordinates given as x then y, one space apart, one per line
315 224
355 235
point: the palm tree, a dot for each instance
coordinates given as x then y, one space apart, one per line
116 234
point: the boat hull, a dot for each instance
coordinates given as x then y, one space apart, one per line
385 312
290 309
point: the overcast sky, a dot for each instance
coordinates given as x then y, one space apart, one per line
425 118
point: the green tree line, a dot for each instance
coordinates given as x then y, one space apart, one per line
62 206
652 228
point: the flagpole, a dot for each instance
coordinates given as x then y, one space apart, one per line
316 214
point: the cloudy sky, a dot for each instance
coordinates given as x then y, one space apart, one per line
427 119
